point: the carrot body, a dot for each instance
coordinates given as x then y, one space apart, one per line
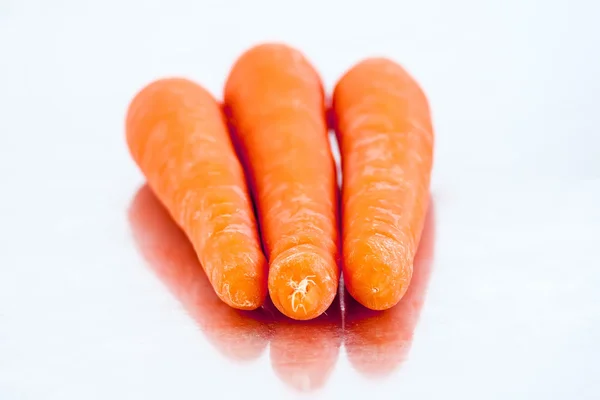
177 135
276 106
383 124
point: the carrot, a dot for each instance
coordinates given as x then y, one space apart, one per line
378 342
236 334
177 135
383 124
275 102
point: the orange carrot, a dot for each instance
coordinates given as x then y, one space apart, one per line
177 135
378 342
275 101
383 124
236 334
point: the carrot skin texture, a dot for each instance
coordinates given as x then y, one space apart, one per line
275 101
384 127
176 133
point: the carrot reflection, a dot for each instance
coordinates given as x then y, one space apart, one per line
378 342
302 354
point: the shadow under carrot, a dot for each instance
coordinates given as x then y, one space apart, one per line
378 342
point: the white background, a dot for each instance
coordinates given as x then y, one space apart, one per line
512 306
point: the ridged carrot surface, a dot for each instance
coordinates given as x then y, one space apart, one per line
383 124
177 135
275 101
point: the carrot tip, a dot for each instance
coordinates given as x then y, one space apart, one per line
299 283
240 286
300 291
377 276
240 299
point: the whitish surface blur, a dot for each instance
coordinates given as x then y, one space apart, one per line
99 294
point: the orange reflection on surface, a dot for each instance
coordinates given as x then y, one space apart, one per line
302 355
378 342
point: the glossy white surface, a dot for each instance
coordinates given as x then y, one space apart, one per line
507 302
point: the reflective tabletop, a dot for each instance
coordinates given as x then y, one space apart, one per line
101 295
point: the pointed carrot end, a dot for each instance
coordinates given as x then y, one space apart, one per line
245 295
300 282
239 278
377 272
